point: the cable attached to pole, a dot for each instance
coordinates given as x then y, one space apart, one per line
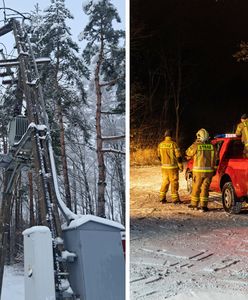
4 12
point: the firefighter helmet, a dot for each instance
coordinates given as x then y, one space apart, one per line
244 116
167 133
202 135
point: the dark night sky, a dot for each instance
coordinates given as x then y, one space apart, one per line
209 33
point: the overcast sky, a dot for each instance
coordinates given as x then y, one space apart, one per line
75 7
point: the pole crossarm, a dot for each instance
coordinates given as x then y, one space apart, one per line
113 138
9 63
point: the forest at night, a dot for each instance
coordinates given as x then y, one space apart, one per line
187 68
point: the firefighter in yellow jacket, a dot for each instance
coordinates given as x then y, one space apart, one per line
171 161
204 167
242 130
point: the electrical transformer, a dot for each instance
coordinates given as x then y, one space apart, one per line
17 128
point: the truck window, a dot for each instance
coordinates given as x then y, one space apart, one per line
235 149
218 147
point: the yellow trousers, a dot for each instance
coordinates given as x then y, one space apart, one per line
170 177
200 189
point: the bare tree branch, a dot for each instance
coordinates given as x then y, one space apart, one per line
113 151
113 138
110 113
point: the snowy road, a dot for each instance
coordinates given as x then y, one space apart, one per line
176 251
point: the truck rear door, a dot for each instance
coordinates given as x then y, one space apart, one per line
237 167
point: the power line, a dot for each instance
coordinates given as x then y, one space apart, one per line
24 15
4 48
4 12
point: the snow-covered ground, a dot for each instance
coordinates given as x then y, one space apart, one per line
209 295
13 283
176 253
180 254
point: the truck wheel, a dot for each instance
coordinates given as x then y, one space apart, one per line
229 199
189 179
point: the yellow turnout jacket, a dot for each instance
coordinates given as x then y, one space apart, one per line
242 130
203 155
169 153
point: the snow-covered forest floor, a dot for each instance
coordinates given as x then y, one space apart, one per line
176 251
13 283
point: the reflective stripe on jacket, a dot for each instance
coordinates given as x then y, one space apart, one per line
169 152
203 155
242 130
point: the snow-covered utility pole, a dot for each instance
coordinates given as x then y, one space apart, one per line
41 150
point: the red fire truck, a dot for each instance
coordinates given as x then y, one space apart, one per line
231 178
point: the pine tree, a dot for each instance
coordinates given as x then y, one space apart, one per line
35 29
105 57
64 76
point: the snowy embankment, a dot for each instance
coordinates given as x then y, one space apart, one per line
13 283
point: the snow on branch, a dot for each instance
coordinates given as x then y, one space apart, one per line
113 138
113 151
